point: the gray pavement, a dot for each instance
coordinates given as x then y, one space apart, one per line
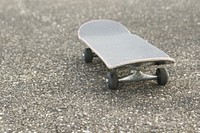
45 86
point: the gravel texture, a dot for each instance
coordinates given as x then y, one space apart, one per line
46 87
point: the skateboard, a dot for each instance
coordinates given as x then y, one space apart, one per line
117 47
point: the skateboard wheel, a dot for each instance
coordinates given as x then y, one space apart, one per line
112 80
87 55
162 75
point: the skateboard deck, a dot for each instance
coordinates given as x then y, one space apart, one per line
117 46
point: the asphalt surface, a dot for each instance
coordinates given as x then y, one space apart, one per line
46 87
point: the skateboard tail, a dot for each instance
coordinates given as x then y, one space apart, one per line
101 28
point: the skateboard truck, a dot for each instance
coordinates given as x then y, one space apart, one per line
161 77
138 76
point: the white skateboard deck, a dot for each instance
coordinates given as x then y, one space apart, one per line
116 46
